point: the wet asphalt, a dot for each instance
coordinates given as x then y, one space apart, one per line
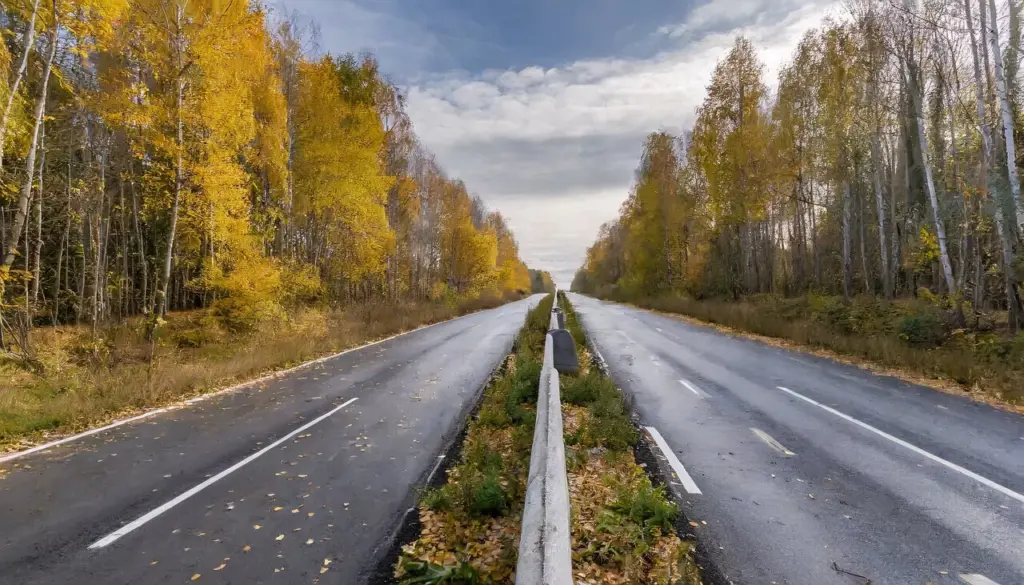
219 502
844 478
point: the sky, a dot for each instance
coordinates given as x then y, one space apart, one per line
542 106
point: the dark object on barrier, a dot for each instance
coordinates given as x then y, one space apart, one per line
559 316
564 347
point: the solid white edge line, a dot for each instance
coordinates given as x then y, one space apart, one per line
688 484
141 520
18 454
82 435
692 388
982 480
977 579
771 442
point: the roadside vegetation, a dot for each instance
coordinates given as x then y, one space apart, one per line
869 205
623 526
88 378
470 526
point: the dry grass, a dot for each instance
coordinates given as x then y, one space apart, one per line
88 380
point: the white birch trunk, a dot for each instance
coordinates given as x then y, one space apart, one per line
940 227
21 213
28 39
1007 116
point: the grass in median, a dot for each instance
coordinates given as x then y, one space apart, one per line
89 378
623 526
470 526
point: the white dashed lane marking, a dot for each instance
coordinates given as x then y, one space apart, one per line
771 442
692 388
977 579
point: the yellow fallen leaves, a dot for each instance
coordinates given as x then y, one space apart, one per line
279 537
601 545
195 577
488 544
220 566
246 548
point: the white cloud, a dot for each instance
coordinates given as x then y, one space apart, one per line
566 139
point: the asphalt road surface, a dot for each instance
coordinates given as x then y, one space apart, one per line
300 480
807 468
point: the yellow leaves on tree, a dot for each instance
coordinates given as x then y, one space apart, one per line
339 185
730 137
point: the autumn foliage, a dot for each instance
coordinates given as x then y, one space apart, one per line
180 155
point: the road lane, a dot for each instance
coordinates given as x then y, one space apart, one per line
317 506
845 494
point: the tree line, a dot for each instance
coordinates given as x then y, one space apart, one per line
885 163
162 155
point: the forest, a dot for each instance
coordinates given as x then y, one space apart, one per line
162 155
872 192
181 176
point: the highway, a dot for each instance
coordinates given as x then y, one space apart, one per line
301 479
812 472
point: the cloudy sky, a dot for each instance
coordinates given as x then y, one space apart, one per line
542 106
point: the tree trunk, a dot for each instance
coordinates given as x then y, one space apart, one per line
862 228
11 246
984 176
1007 118
56 279
28 38
38 248
847 264
179 139
910 78
140 242
876 176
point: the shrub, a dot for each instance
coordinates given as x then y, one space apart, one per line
640 502
924 328
582 390
487 496
615 432
834 313
437 499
